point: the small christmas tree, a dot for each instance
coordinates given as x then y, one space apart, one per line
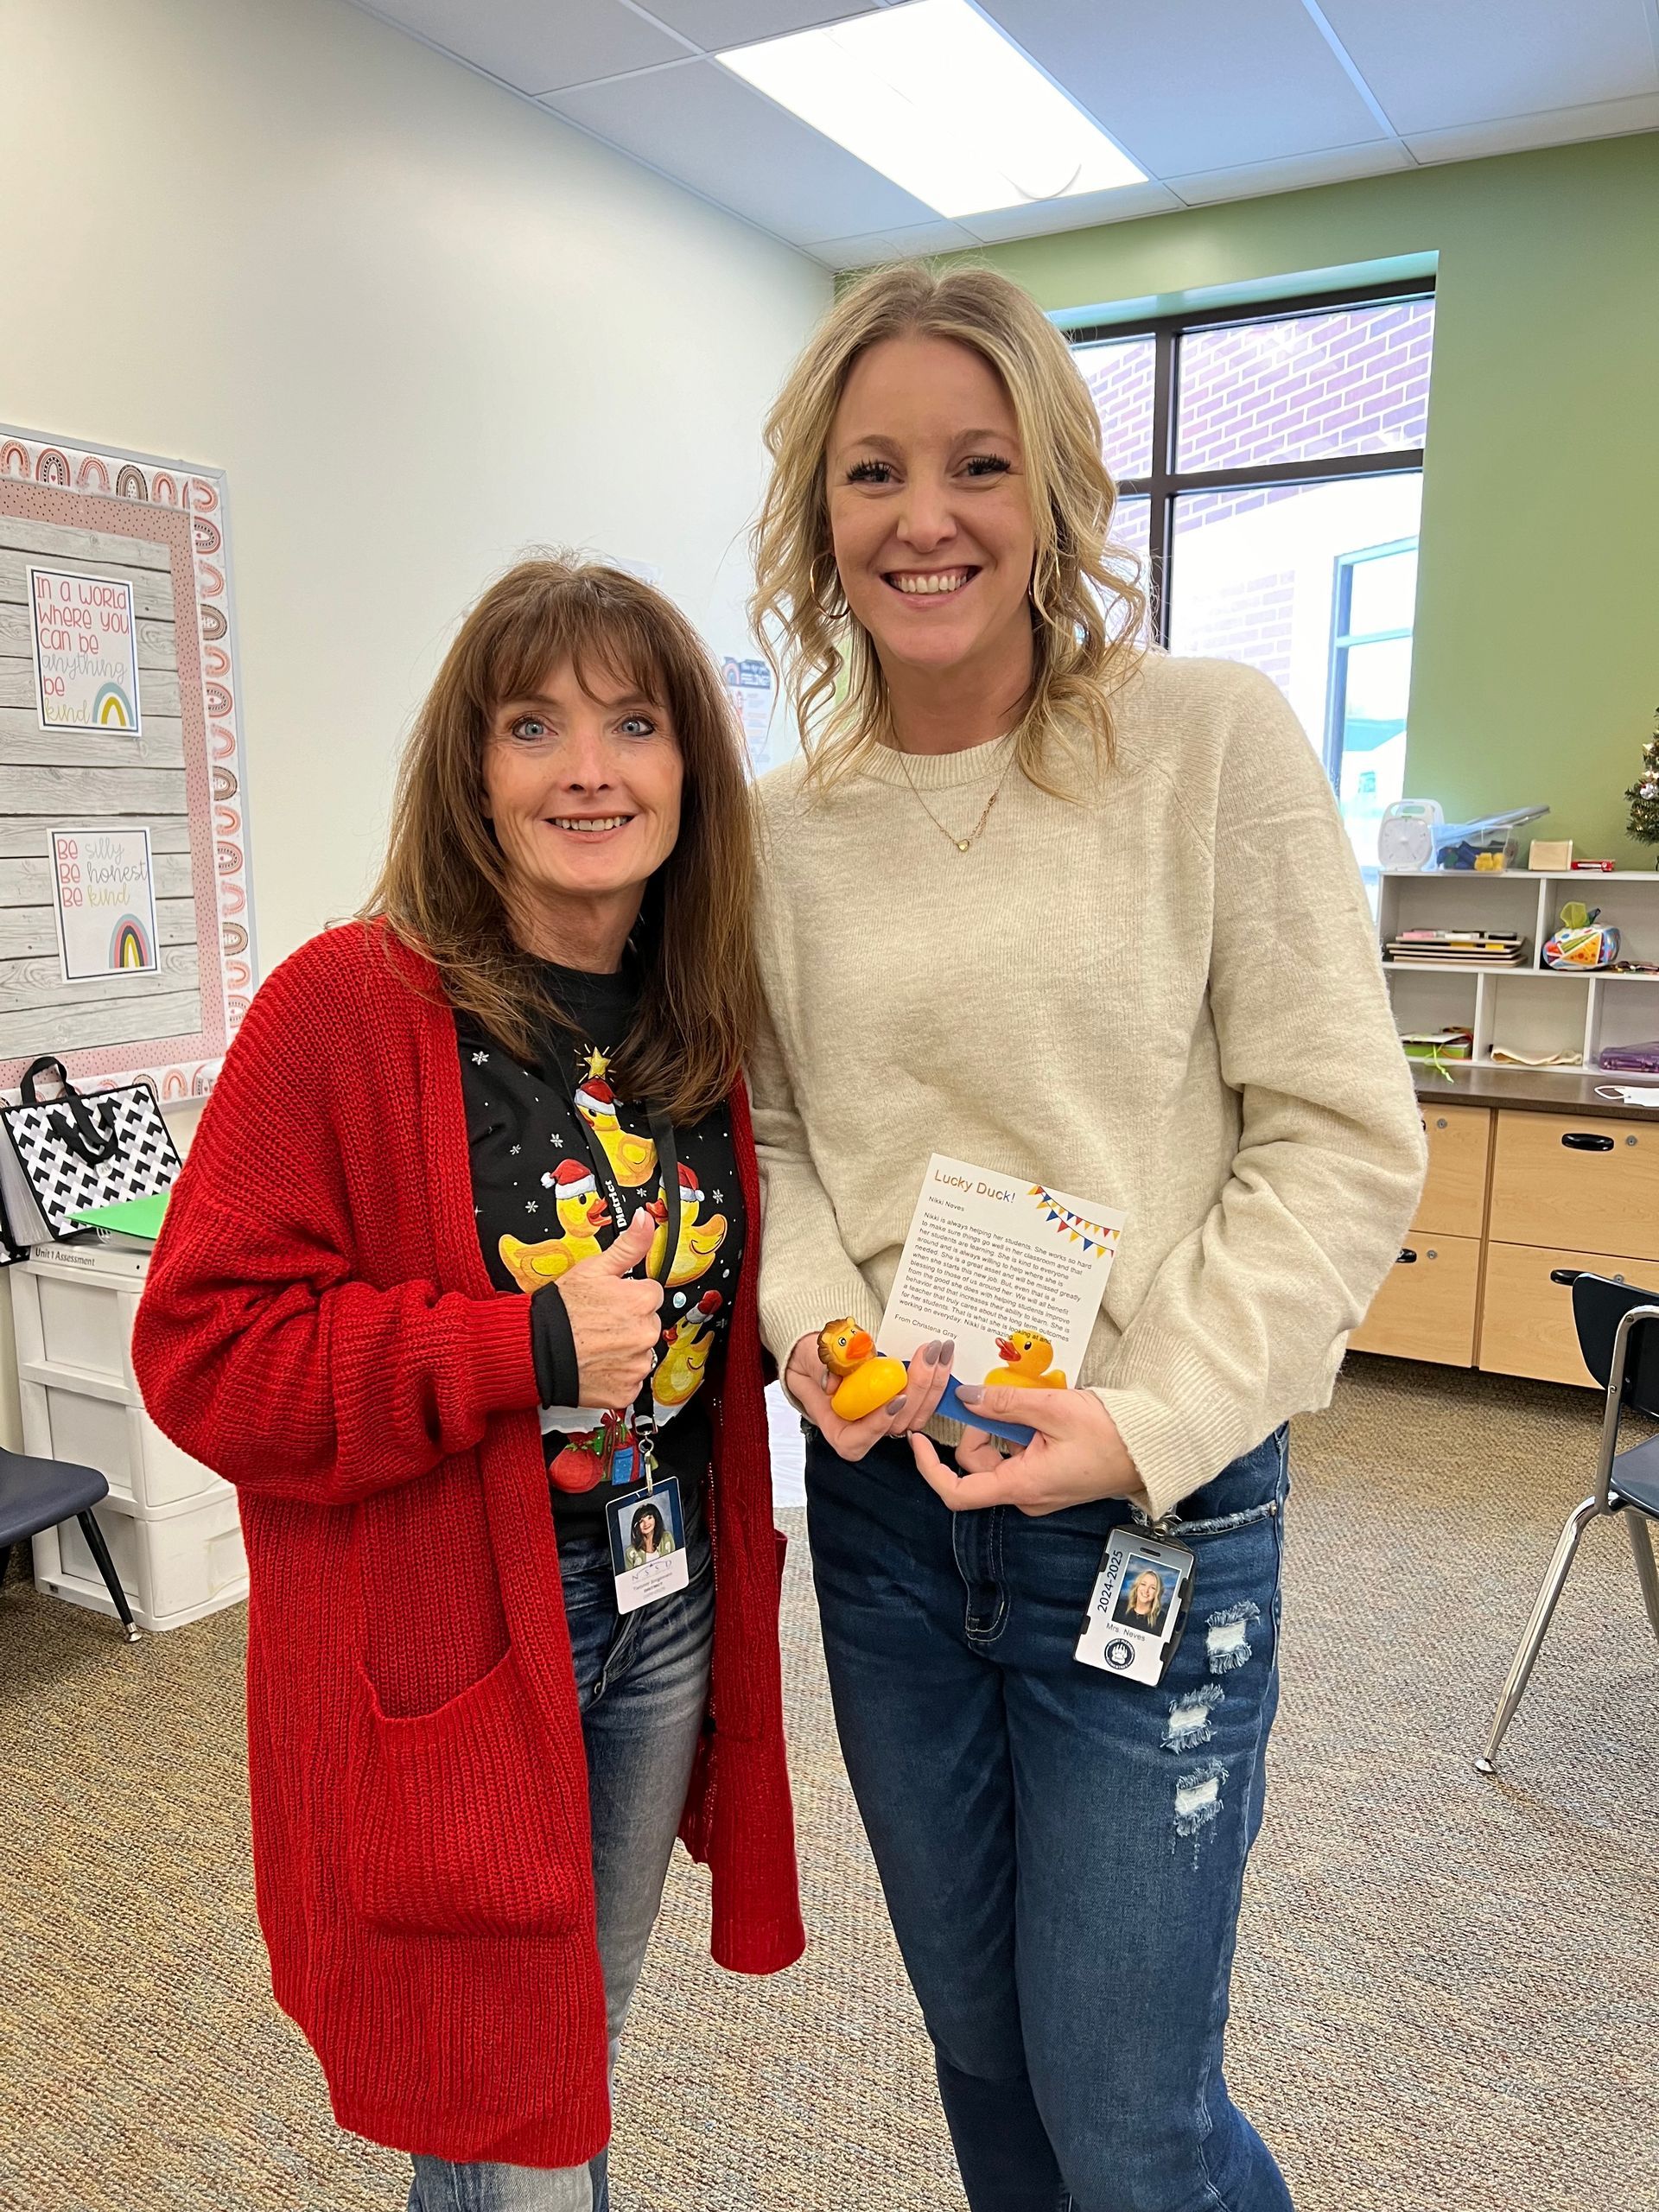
1643 793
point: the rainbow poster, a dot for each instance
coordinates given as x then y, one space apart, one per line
84 632
103 890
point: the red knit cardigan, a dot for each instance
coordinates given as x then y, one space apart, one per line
319 1326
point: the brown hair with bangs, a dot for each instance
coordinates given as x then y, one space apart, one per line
443 889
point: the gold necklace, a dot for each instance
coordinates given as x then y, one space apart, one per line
962 844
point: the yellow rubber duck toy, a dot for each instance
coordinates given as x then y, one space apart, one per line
699 1240
868 1378
582 1214
633 1160
1028 1356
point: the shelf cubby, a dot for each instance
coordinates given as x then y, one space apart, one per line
1531 1008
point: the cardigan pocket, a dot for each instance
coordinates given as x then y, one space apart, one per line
454 1823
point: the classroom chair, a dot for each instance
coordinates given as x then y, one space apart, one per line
37 1494
1621 1349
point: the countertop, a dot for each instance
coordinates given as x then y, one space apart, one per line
1532 1090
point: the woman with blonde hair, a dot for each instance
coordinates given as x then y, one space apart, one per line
420 1281
1070 911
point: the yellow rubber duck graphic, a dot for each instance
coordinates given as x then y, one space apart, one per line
633 1160
699 1240
582 1214
1028 1356
686 1348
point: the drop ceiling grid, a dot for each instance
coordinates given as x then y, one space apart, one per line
1214 101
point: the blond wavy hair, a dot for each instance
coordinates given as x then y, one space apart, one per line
1087 607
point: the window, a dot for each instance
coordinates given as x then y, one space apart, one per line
1270 476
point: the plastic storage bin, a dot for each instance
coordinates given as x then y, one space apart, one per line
171 1524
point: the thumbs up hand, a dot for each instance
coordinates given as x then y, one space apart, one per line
615 1317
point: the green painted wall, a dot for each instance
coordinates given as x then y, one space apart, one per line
1536 664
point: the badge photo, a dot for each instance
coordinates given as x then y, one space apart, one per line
1137 1607
647 1534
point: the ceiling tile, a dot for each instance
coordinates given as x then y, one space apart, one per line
717 24
538 45
1563 126
864 252
1434 66
701 125
1079 212
1295 174
1191 85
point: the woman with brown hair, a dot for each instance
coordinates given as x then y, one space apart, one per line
1087 916
477 1173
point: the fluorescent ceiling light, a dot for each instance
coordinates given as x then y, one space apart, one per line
933 96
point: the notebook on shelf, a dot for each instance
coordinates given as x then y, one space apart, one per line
1457 948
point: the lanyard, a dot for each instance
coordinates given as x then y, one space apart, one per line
668 1166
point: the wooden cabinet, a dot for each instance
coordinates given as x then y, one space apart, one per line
1454 1192
1516 1204
1427 1306
1526 1312
1575 1182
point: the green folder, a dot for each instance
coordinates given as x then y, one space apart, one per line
133 1217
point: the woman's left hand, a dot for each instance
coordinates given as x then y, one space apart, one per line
1076 1456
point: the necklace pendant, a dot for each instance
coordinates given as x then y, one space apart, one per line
962 844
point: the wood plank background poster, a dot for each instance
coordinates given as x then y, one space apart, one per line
126 936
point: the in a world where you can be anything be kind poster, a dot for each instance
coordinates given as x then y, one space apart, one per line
126 936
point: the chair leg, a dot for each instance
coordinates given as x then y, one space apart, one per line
1543 1608
100 1552
1644 1568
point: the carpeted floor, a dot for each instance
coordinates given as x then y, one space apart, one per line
1445 1986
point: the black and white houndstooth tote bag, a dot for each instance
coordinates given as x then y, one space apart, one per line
63 1155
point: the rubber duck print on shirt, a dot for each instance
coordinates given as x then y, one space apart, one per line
582 1214
699 1240
686 1347
632 1160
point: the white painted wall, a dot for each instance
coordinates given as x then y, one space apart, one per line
421 325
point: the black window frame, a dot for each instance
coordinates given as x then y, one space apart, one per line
1164 483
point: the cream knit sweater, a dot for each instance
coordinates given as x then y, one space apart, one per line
1164 996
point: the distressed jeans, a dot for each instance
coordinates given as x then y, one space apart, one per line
642 1683
1062 1851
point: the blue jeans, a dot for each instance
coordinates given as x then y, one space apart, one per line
642 1684
1062 1851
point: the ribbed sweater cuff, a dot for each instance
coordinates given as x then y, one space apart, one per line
788 1317
504 1366
1170 1431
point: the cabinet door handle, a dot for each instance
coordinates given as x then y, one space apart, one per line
1566 1276
1583 1140
1408 1258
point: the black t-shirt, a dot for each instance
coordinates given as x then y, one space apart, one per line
540 1207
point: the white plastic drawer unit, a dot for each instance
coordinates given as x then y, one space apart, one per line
170 1524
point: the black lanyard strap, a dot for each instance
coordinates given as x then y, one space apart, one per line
668 1166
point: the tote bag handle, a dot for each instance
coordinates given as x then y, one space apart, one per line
77 1125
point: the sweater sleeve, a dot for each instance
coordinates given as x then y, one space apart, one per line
260 1348
806 1277
1245 1320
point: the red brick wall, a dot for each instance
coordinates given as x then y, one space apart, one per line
1315 387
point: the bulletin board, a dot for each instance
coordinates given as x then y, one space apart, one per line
126 929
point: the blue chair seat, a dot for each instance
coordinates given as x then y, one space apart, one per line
37 1494
1635 1477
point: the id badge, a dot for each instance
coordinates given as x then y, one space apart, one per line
1138 1607
648 1555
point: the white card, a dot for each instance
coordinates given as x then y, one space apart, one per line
1012 1269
